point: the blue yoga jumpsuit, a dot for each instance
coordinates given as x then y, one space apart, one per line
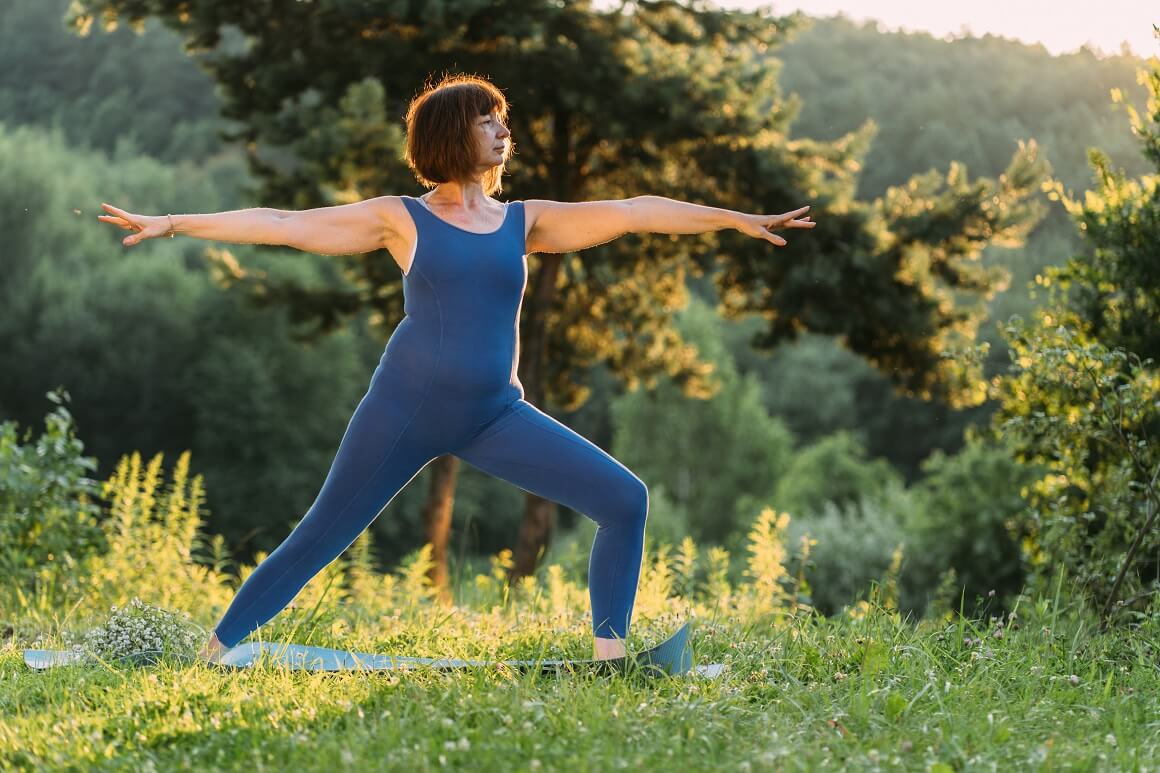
447 384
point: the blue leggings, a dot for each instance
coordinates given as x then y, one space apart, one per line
523 446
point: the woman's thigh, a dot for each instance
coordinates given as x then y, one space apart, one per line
534 451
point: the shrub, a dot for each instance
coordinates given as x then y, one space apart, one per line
833 470
849 549
47 509
968 518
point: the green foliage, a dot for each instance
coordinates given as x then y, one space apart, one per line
812 384
969 99
897 278
48 510
914 251
967 518
153 529
704 453
1086 414
833 470
1082 395
851 548
139 94
155 355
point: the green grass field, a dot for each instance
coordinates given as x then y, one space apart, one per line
1038 688
1043 690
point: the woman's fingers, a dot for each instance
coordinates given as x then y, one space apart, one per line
119 217
143 226
764 226
792 215
793 219
114 221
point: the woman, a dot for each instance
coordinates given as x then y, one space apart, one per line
447 383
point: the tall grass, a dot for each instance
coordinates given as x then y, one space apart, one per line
1039 688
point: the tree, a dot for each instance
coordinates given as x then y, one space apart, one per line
48 77
154 356
666 98
1083 391
712 457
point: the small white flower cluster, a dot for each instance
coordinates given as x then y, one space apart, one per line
140 627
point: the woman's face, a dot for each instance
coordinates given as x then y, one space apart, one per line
492 139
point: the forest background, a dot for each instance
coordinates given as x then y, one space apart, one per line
159 353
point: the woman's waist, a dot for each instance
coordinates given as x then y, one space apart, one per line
481 363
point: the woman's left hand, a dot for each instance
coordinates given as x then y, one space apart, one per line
763 226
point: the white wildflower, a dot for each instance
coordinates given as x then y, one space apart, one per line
139 627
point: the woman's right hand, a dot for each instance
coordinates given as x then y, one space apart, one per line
145 226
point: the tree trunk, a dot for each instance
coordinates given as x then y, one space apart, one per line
535 536
437 520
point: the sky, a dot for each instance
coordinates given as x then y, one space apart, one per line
1061 26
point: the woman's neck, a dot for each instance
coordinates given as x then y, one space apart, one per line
466 196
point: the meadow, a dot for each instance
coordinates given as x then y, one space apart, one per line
1038 687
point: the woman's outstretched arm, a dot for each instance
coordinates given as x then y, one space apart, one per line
341 230
567 227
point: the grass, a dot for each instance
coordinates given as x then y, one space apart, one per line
1043 690
1037 689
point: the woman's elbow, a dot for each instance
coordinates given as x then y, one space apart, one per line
638 217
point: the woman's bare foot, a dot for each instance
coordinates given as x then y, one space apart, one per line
607 649
212 650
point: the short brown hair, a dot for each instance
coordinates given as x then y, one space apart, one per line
440 130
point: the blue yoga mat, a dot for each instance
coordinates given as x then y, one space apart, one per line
673 656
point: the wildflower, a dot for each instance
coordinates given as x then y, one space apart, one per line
139 627
1073 679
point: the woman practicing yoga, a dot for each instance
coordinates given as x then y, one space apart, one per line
447 383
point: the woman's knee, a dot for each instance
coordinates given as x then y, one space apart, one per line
627 502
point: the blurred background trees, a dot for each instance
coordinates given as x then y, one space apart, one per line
164 350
